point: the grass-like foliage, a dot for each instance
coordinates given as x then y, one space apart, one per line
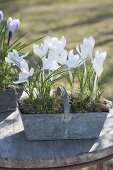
8 73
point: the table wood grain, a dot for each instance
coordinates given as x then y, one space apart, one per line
17 152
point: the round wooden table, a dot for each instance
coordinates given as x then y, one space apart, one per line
17 152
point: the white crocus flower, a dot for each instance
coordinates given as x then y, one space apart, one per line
56 49
52 53
41 51
25 72
86 47
98 68
54 43
62 57
48 64
59 56
12 24
1 16
98 62
14 58
73 60
52 49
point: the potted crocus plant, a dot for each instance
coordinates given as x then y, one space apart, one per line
52 111
10 92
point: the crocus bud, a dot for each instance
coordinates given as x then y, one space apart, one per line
1 16
12 24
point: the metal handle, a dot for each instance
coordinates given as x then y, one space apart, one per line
66 116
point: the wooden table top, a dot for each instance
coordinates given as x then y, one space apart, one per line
17 152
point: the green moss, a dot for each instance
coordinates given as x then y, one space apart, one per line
82 104
78 104
42 105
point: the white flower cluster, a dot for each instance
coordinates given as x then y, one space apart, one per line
53 55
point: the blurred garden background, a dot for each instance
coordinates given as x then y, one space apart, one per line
74 19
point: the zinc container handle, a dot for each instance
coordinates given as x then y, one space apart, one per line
66 116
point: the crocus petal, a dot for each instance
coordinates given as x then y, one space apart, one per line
38 51
62 57
12 24
63 41
8 60
76 57
85 51
15 53
54 66
31 72
78 49
74 60
86 47
49 64
10 56
72 63
98 70
98 62
52 55
24 66
71 56
92 41
25 55
9 20
85 40
22 78
19 81
1 16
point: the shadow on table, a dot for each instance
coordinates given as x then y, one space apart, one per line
26 150
3 116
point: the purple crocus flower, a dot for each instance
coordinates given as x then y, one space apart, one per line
1 16
12 26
